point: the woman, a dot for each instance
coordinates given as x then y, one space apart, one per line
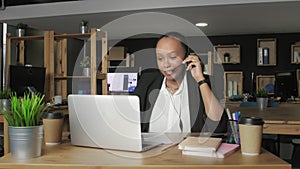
178 98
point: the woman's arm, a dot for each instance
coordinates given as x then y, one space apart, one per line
213 108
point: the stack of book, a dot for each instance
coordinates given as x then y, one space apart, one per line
207 146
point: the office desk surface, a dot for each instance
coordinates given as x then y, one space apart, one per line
67 156
282 120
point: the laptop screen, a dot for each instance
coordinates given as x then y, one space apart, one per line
122 82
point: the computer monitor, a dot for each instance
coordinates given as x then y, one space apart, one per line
122 82
286 85
26 79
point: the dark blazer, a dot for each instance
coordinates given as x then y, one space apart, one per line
148 88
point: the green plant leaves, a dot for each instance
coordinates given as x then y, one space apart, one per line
25 111
261 92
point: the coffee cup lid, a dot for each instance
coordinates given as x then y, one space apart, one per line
251 121
53 115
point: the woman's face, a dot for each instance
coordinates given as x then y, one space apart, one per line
170 54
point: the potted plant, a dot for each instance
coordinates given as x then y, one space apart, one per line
84 26
25 129
21 29
5 100
262 98
85 64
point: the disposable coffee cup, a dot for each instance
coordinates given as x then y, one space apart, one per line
53 125
251 135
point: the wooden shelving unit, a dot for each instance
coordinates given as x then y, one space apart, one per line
56 67
263 80
60 75
233 83
20 42
295 53
266 52
206 58
298 81
227 54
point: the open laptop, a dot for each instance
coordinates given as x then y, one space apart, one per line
107 121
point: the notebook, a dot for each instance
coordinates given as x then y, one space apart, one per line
201 144
223 151
107 121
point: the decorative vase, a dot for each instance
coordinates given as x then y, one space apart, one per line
86 71
84 29
4 105
20 32
226 57
25 142
262 103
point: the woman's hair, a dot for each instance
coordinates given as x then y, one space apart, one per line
180 38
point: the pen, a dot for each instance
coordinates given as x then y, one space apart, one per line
232 126
228 114
236 116
233 116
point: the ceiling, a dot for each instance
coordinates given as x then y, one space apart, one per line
28 2
223 16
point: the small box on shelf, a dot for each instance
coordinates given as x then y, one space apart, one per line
295 53
233 83
206 59
116 53
266 52
267 82
128 61
298 80
227 54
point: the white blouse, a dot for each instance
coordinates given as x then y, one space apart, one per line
171 111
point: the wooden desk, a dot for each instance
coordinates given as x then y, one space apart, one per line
282 120
67 156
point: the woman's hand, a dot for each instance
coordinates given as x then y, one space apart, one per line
194 65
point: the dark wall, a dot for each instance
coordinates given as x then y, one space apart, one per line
248 44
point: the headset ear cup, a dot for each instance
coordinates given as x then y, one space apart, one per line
187 52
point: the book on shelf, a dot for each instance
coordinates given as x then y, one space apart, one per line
200 144
224 150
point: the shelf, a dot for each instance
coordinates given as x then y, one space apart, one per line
266 82
266 52
298 80
71 77
60 87
77 35
233 83
27 38
227 54
117 53
208 70
99 76
65 36
295 53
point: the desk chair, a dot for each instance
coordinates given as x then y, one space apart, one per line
268 140
296 153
